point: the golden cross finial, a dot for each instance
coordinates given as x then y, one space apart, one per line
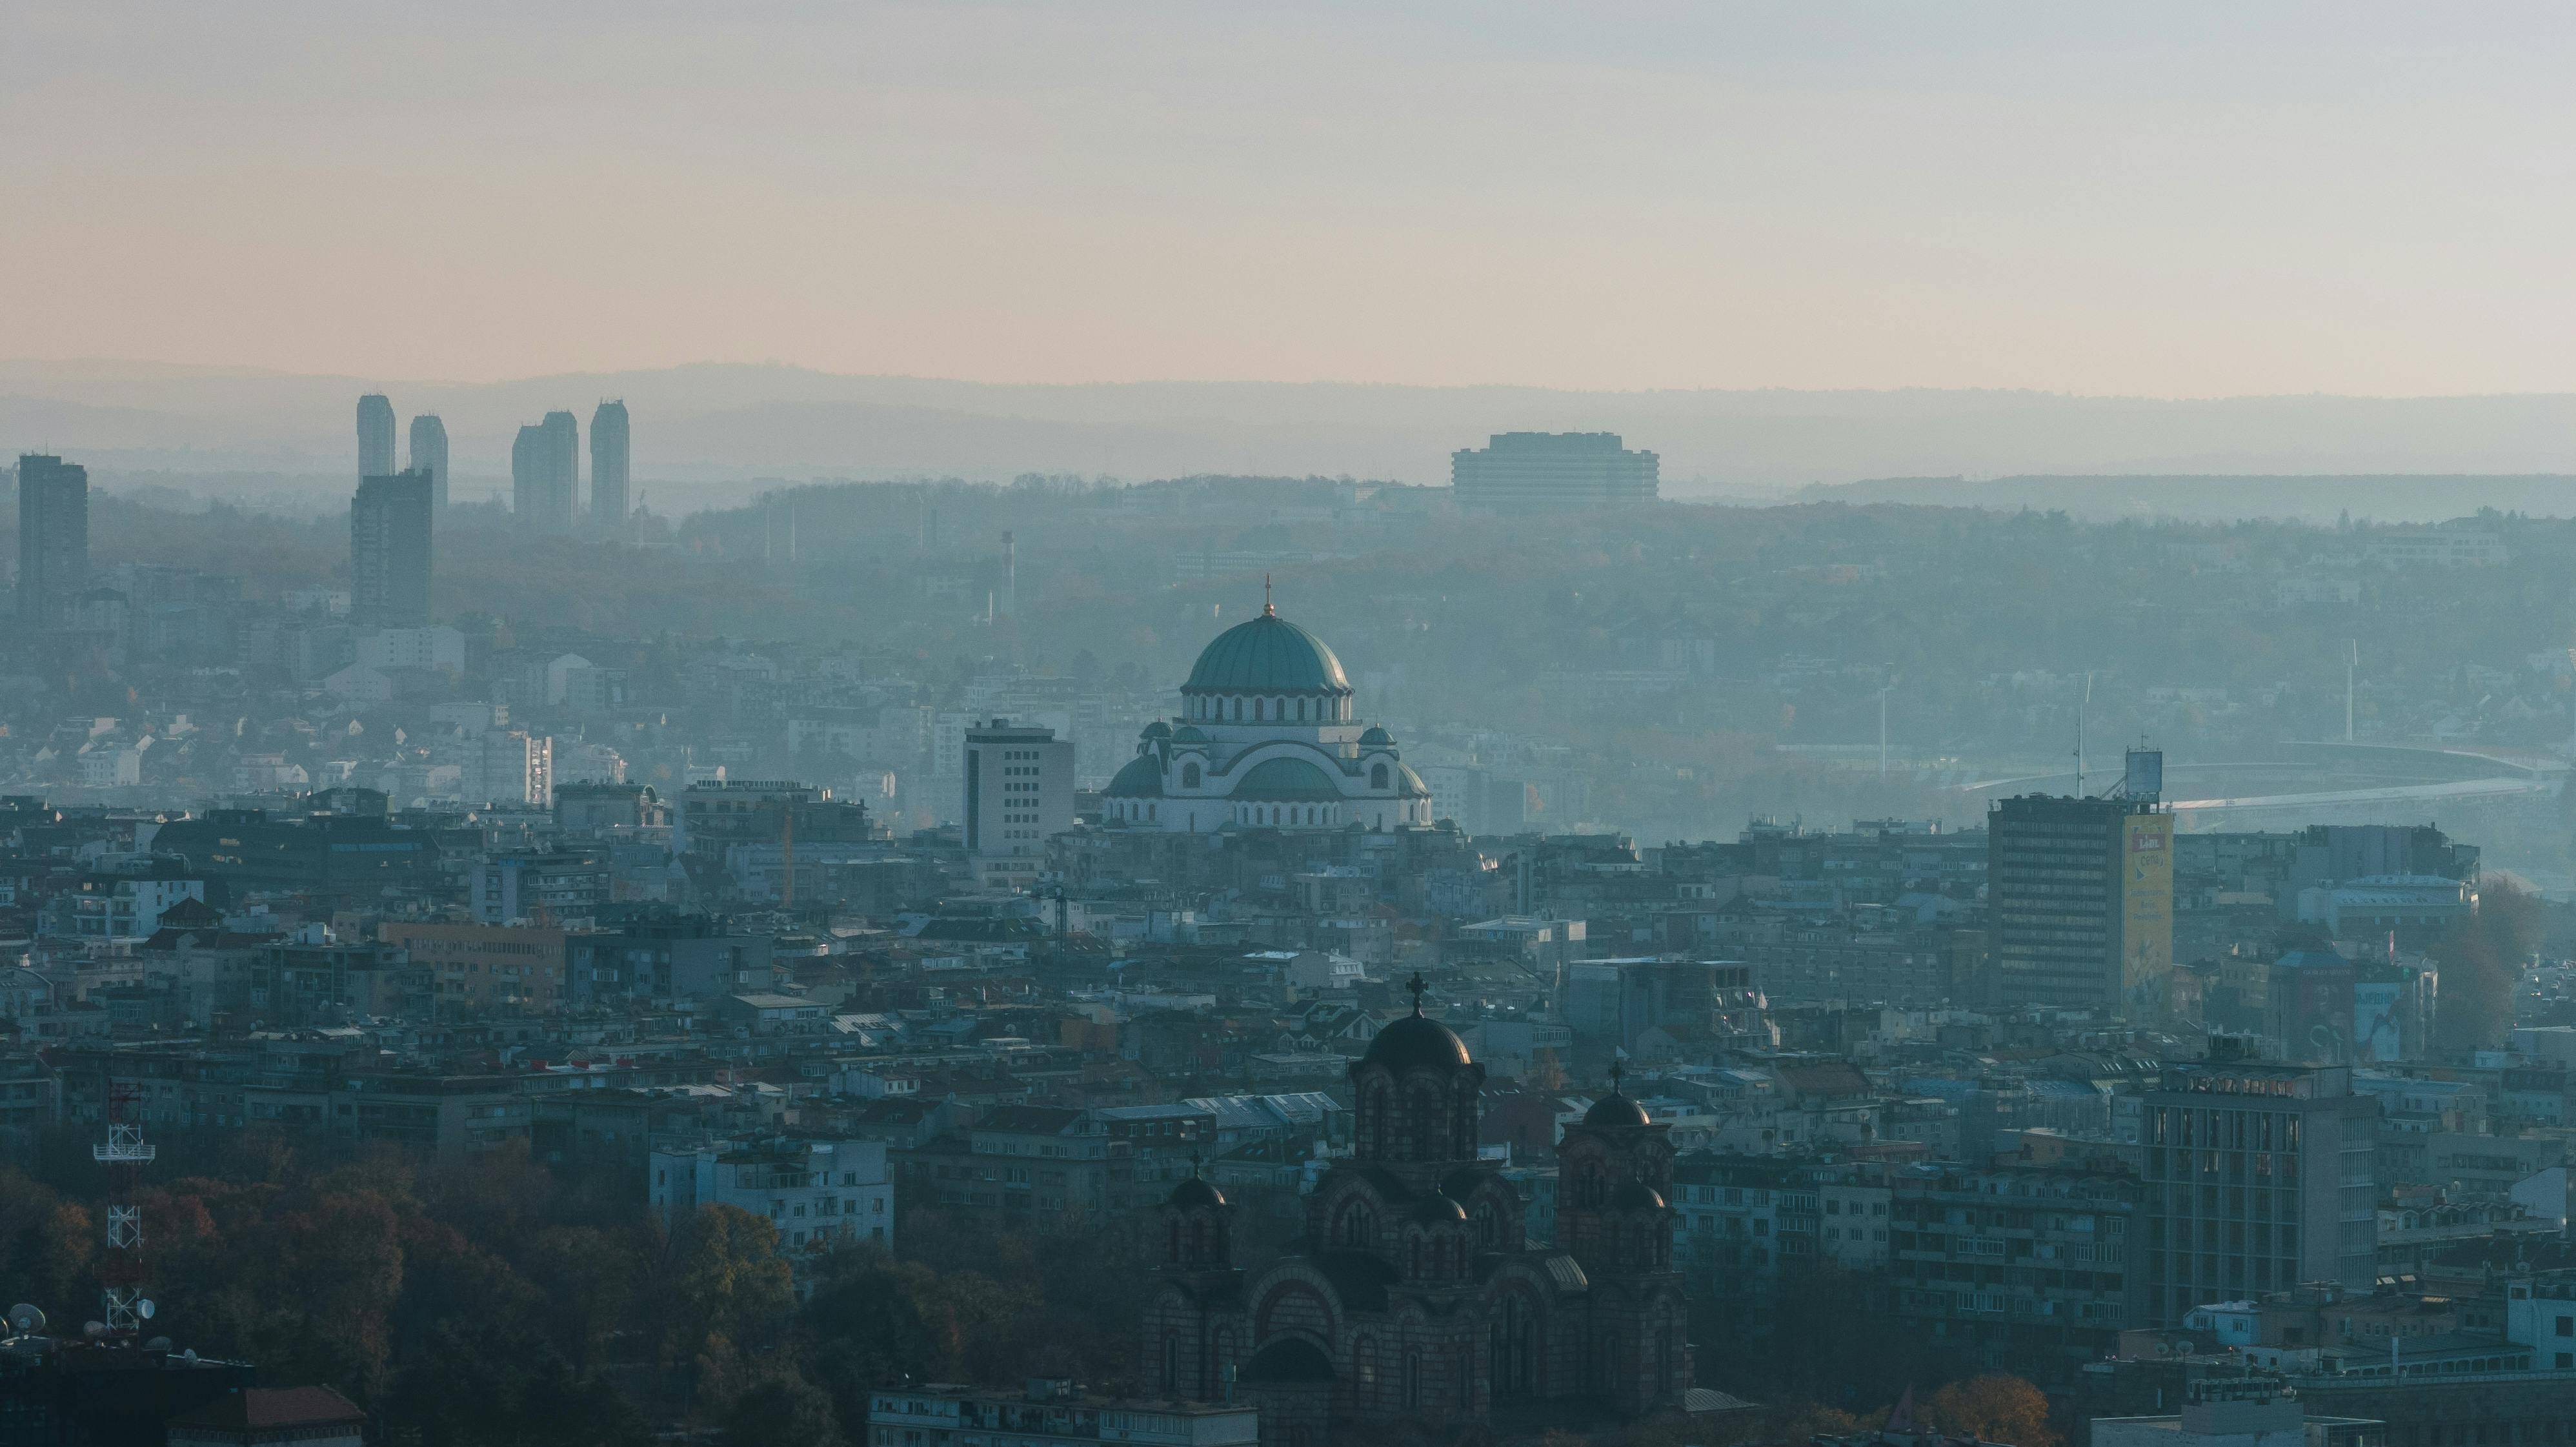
1266 610
1617 1073
1417 987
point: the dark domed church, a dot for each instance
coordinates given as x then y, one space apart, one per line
1415 1293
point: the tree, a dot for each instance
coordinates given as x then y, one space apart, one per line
1996 1407
2481 959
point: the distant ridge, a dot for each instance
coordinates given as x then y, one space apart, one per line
728 422
2204 497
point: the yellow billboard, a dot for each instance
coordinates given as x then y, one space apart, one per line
2146 915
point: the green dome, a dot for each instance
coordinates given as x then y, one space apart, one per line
1188 734
1409 785
1377 738
1141 779
1286 781
1267 655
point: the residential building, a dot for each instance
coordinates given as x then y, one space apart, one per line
2081 892
480 969
2030 1269
545 474
819 1193
1019 793
390 523
429 455
53 539
1049 1414
564 890
609 504
375 435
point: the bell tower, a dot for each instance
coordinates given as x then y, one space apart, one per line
1191 1346
1616 1177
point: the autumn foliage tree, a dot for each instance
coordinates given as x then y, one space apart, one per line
1995 1407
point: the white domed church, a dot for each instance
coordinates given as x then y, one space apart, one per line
1265 740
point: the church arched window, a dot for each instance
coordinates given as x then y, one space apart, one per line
1172 1362
1301 710
1377 776
1238 710
1189 776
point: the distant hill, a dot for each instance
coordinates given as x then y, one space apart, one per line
723 423
2313 497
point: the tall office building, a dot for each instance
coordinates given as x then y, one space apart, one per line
608 500
2081 893
1536 472
1019 792
375 435
53 539
545 473
389 551
429 455
2258 1178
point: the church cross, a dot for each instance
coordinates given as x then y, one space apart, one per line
1266 610
1417 987
1618 1072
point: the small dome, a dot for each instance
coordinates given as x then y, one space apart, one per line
1409 785
1416 1040
1141 779
1634 1195
1616 1109
1288 1360
1377 738
1188 734
1267 655
1158 730
1286 781
1438 1207
1195 1191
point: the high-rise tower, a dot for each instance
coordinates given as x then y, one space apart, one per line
545 474
389 551
608 454
429 454
53 539
375 435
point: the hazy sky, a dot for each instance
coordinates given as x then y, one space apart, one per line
2165 199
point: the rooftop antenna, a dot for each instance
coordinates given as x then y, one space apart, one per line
1883 689
2079 732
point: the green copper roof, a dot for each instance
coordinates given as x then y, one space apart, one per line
1267 655
1285 781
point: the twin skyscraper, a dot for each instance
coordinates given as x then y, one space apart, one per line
545 472
393 517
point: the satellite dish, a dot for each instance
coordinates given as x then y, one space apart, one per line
144 1306
25 1319
189 1355
157 1344
94 1329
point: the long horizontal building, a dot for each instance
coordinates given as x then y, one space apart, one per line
1530 472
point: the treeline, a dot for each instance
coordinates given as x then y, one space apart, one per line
493 1302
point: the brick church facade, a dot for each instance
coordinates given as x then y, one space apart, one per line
1415 1295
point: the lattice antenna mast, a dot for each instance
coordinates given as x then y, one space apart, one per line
124 1153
